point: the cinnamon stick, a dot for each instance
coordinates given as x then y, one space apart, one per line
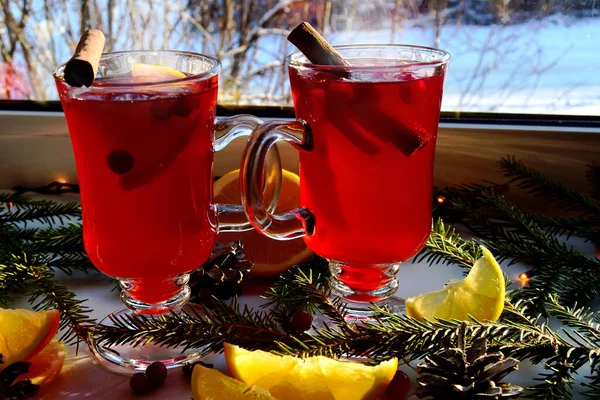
314 46
320 52
81 69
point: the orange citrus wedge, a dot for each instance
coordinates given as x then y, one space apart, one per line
210 384
24 333
270 257
318 378
154 73
47 364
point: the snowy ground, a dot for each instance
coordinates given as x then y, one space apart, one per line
545 66
548 66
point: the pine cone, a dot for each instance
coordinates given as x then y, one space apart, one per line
467 374
221 275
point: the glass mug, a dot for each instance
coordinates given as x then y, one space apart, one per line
366 135
144 148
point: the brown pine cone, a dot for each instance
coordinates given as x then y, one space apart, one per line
467 373
221 275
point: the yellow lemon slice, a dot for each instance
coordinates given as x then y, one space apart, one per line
318 378
210 384
480 295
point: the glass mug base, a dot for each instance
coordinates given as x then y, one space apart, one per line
126 359
361 285
175 289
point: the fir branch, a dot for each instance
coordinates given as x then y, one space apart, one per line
582 320
519 237
68 262
464 206
16 235
391 336
14 280
47 293
517 334
206 330
550 190
55 213
60 248
568 226
62 239
285 297
556 384
560 268
446 246
592 384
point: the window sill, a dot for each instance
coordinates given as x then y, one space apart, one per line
35 149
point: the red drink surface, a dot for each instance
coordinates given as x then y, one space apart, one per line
369 178
145 160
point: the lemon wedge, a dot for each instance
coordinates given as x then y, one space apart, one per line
480 295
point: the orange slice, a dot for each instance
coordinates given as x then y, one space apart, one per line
154 73
270 257
210 384
313 378
47 364
24 333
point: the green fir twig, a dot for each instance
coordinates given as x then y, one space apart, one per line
548 189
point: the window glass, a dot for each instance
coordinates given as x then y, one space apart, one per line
509 56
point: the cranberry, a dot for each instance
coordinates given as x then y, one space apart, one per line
119 161
301 321
140 383
157 372
398 387
162 110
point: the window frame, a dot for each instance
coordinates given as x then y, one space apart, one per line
511 119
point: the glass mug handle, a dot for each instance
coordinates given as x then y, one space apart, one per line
231 217
256 165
